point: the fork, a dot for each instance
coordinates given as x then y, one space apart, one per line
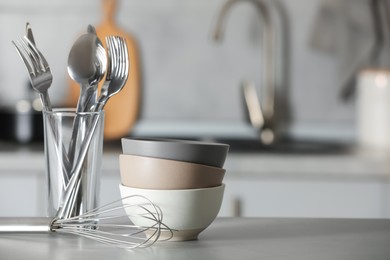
41 79
116 77
117 70
38 69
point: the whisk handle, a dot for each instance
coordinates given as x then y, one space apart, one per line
25 224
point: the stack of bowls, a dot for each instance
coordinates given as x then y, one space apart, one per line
183 178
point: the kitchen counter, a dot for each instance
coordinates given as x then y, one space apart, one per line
226 238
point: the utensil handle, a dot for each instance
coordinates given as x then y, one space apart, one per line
45 99
86 100
73 186
25 224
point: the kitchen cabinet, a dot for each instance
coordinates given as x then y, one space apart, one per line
306 198
22 193
352 185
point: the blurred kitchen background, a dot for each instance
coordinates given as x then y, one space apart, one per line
191 83
191 87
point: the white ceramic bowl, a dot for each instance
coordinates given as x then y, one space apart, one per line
186 212
207 153
155 173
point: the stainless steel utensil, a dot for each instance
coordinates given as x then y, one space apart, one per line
101 61
38 68
106 224
40 77
86 65
118 71
29 33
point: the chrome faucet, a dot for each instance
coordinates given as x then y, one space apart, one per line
263 114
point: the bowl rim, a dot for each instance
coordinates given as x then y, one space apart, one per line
174 162
150 140
222 186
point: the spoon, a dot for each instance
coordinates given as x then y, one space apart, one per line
101 63
87 63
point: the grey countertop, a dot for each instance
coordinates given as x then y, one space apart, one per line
226 238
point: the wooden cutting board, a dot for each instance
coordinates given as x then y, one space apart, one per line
121 110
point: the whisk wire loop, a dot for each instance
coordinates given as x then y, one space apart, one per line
105 223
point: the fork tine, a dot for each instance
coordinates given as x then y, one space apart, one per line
40 55
114 58
123 60
35 54
120 56
125 57
109 60
22 54
118 49
127 61
33 58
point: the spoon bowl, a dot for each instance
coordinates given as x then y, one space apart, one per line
87 62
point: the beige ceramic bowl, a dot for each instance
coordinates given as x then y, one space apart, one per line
154 173
185 212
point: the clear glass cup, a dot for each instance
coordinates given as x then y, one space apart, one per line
66 134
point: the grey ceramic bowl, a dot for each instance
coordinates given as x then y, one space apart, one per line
207 153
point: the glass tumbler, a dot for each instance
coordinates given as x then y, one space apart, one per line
66 135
